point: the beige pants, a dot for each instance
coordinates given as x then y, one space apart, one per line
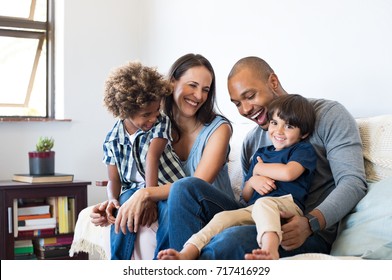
265 213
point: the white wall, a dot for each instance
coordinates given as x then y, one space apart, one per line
330 49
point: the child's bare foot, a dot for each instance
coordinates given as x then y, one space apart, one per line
170 254
260 254
189 252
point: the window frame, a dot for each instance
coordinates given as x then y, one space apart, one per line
37 30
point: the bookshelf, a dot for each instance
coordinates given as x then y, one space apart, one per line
11 190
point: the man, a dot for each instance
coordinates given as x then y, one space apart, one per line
338 185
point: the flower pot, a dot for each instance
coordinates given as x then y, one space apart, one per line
41 163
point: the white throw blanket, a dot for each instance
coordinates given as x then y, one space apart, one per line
90 238
96 240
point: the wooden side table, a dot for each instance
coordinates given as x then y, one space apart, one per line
10 190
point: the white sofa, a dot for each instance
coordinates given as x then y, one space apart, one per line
365 233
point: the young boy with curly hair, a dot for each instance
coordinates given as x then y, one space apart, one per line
137 150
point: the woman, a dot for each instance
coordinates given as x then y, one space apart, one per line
200 139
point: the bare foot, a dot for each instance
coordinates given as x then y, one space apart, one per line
170 254
259 254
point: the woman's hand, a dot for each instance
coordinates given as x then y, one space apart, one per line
150 213
134 212
98 214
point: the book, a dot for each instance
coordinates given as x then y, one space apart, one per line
53 241
48 252
31 201
34 227
57 177
32 217
52 201
32 222
23 243
23 247
15 217
37 232
71 213
33 210
23 250
63 214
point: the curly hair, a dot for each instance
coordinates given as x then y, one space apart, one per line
132 87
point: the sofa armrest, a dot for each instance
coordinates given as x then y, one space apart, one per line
90 238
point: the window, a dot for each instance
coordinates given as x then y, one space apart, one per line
26 58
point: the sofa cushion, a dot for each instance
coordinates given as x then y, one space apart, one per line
376 135
366 231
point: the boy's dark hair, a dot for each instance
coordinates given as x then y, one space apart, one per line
296 110
132 87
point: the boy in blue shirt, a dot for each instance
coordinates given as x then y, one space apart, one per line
279 180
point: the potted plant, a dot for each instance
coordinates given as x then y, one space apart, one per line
41 161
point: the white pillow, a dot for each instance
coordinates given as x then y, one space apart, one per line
367 230
376 135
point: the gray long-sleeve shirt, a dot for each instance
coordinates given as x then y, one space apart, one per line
339 182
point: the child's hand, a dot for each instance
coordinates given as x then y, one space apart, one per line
111 207
258 166
261 184
98 214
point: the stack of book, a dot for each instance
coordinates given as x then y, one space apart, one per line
57 177
33 220
53 247
54 215
24 250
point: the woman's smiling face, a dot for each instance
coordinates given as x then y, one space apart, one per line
191 90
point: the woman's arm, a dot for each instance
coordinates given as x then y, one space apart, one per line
214 154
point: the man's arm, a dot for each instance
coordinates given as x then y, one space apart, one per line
343 150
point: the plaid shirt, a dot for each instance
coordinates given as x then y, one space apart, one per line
119 151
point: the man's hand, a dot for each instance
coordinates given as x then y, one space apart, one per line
295 231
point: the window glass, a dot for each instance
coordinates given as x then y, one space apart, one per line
23 59
28 9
